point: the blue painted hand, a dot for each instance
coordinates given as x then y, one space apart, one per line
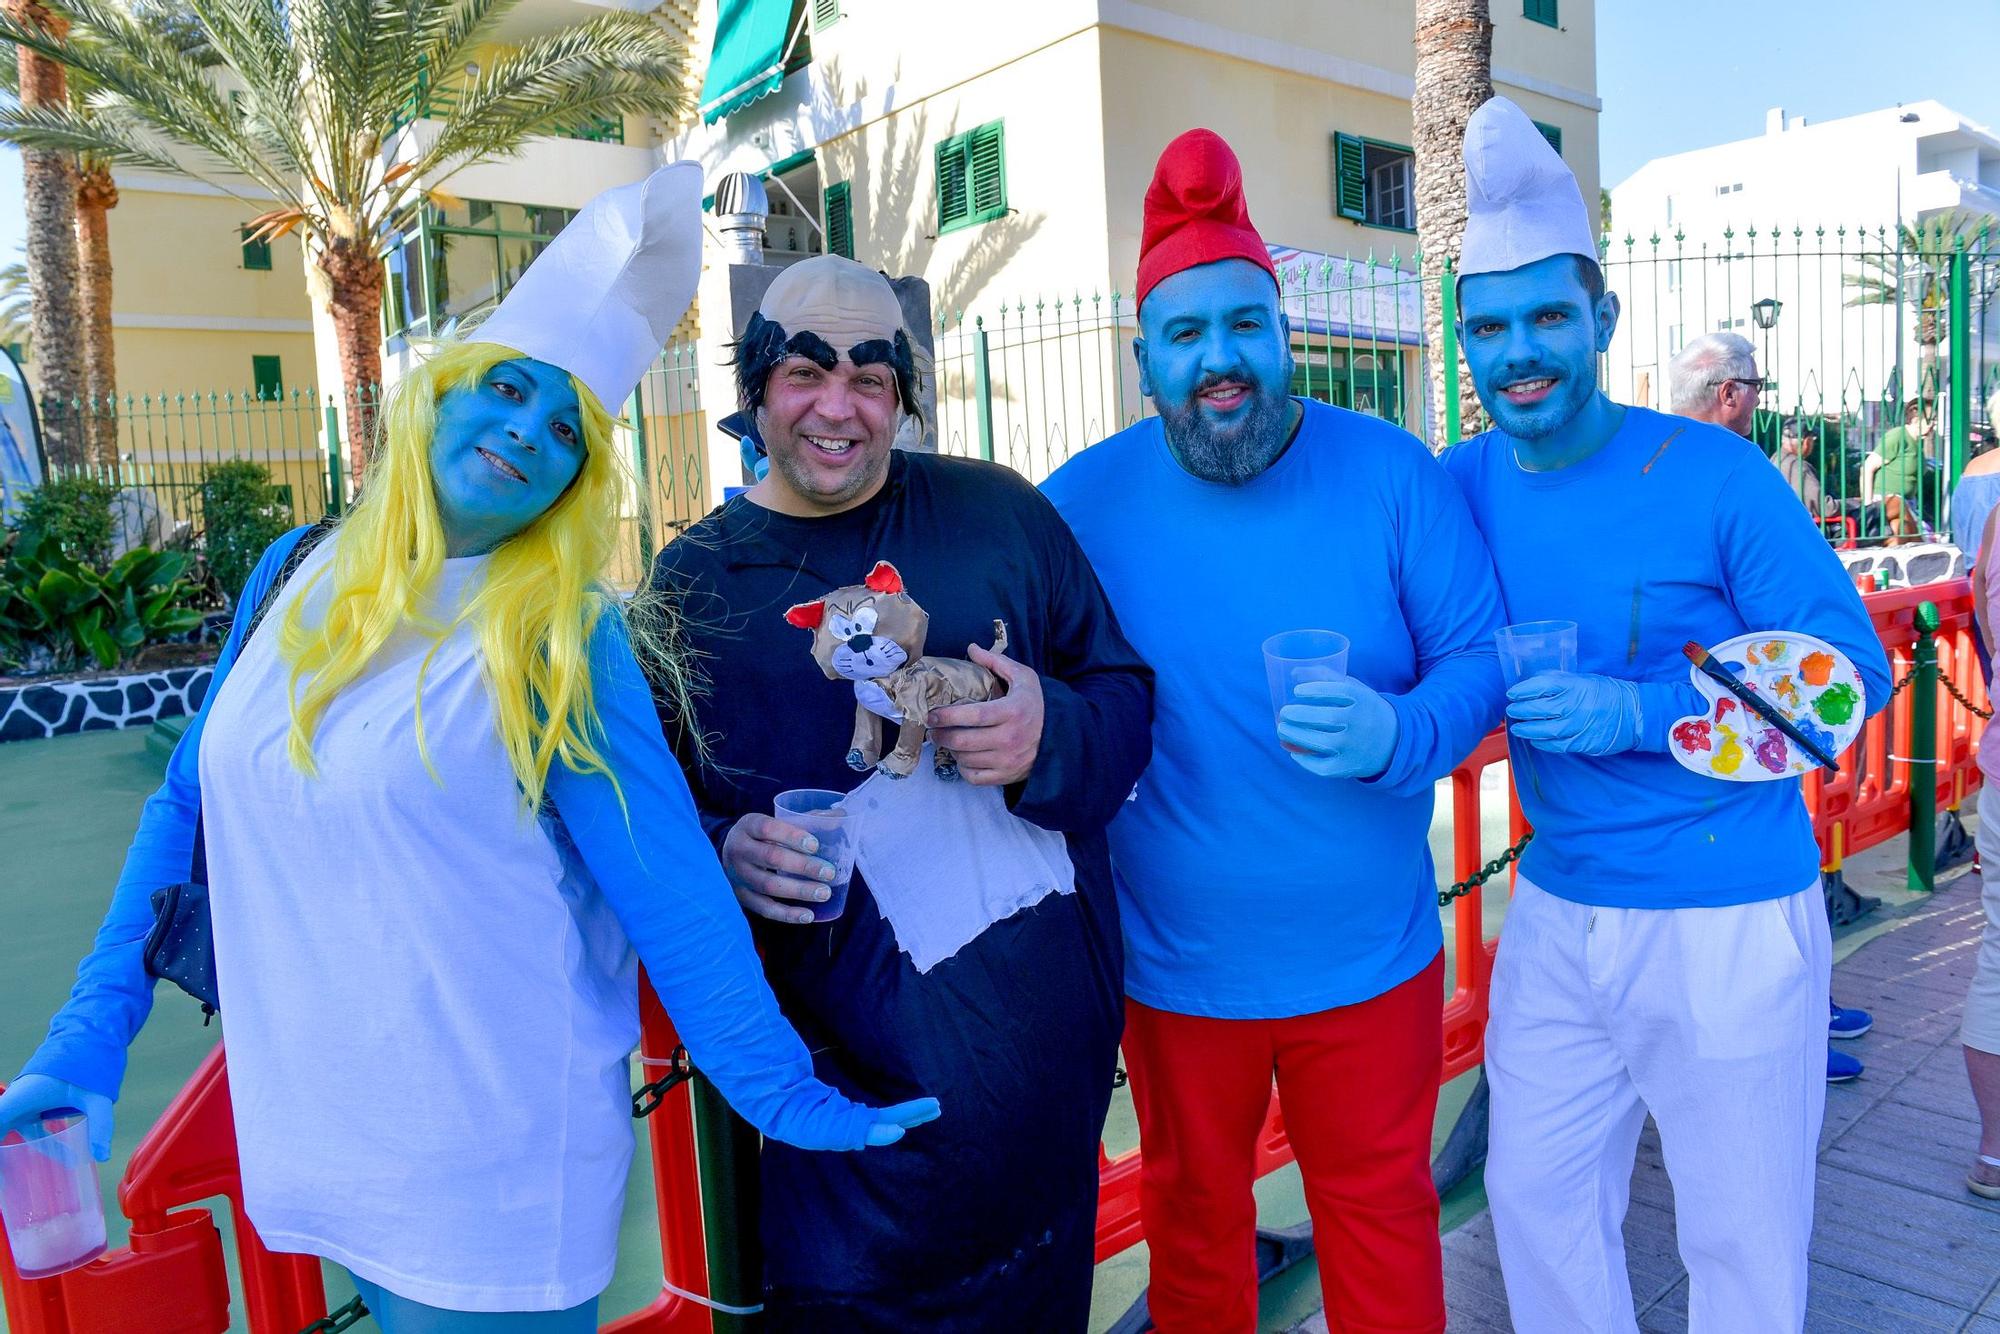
28 1097
1575 714
891 1122
503 451
1347 730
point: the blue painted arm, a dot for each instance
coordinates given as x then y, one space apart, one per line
1451 602
112 996
669 893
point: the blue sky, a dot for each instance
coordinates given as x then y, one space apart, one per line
1700 72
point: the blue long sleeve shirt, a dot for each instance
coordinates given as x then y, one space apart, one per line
1248 887
656 869
1674 531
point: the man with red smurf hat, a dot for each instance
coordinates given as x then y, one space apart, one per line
1278 900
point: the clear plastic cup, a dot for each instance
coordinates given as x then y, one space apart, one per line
1297 656
819 812
1533 647
48 1195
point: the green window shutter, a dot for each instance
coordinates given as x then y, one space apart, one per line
256 254
268 376
826 13
954 204
1350 181
1552 133
1541 11
986 159
838 209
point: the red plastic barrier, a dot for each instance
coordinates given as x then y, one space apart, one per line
170 1278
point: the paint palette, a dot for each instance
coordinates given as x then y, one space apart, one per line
1810 682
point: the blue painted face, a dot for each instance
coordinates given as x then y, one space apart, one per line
505 449
1215 356
1532 337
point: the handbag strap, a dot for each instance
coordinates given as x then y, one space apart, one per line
310 538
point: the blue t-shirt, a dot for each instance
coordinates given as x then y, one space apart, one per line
1971 501
1674 530
1248 887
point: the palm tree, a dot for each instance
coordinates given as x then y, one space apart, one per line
48 181
17 301
318 123
1917 273
1454 75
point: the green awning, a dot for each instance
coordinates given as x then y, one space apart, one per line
748 60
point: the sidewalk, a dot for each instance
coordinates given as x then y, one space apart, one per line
1899 1244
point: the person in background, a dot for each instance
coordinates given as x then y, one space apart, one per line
1978 489
1714 379
1980 1031
1905 471
1794 460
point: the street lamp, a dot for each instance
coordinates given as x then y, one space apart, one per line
1765 313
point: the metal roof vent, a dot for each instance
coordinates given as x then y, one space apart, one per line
741 207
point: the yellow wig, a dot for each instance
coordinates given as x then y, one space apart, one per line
534 613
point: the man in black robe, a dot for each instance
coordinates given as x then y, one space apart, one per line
983 1220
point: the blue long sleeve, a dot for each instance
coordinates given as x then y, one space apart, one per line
113 994
1451 602
658 871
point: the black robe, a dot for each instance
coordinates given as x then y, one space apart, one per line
984 1219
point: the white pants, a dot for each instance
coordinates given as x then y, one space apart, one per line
1713 1019
1981 1029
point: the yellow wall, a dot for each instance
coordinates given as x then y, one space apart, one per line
187 316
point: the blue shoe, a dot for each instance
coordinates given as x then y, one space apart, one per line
1847 1023
1841 1068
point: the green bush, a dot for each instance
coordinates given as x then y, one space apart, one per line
242 513
57 612
74 513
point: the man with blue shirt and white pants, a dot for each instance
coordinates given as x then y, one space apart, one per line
1279 910
1666 950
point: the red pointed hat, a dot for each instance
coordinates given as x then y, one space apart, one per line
1195 212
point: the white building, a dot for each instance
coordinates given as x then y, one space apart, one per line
1792 216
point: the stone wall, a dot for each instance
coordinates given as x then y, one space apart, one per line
59 708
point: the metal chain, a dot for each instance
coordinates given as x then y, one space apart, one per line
646 1099
1486 872
1970 707
347 1316
1904 684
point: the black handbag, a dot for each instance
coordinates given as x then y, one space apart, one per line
179 948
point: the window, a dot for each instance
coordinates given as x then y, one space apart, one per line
268 377
1723 326
1541 11
1676 339
1366 379
1552 133
1673 275
445 262
838 210
1731 189
826 13
256 254
1374 183
972 177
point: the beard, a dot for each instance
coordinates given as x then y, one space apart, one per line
1234 454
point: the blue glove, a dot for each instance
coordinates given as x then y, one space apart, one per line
892 1121
1575 714
1348 731
29 1096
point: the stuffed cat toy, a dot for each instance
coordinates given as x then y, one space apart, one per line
872 634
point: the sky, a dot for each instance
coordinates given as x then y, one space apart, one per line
1682 74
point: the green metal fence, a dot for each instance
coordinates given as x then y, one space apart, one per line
1850 324
164 445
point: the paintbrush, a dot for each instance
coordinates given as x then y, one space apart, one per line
1756 703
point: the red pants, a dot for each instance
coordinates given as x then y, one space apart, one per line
1358 1087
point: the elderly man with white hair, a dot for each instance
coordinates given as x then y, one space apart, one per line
1714 379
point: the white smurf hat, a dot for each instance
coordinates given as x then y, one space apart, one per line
1521 199
604 297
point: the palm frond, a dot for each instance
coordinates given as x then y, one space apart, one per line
62 130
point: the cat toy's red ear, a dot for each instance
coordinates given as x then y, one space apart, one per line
808 615
884 579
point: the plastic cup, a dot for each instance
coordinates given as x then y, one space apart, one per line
819 812
48 1195
1297 656
1533 647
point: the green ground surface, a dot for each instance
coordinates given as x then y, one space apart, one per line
68 808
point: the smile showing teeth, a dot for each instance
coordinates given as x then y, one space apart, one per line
829 445
501 465
1223 395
